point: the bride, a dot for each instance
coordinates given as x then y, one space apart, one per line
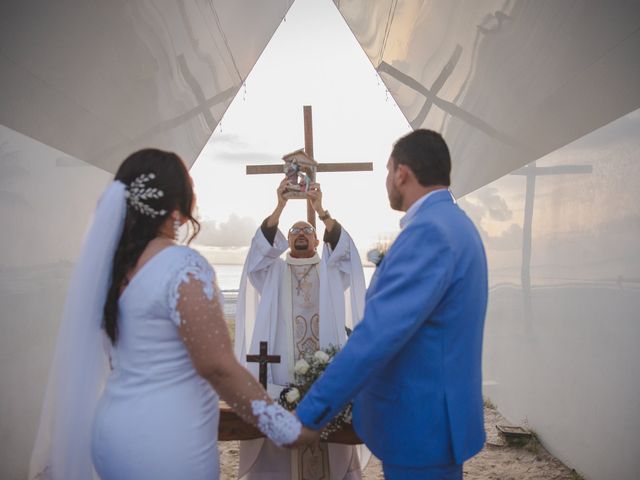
142 401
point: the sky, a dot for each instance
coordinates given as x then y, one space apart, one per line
312 59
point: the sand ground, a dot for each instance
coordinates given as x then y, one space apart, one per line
497 461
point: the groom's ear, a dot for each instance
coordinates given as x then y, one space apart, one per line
402 174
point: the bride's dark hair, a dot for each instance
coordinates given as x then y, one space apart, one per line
172 177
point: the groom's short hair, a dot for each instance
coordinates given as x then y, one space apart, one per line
426 153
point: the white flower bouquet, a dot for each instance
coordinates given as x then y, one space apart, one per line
306 372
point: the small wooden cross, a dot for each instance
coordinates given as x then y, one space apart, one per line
263 359
322 167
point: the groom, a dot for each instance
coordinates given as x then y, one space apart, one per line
413 364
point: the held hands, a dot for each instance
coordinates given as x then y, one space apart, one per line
306 437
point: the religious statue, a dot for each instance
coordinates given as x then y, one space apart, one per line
297 169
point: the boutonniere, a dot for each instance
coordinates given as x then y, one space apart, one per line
375 255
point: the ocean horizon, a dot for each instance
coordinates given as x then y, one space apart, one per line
228 276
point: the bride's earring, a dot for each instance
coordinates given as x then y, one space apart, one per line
176 228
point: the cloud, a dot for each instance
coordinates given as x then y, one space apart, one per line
247 157
235 232
223 255
487 203
491 203
227 139
510 239
473 210
229 147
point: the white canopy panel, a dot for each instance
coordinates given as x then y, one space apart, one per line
99 80
506 82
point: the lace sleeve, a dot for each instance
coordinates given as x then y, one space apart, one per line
193 266
197 312
281 426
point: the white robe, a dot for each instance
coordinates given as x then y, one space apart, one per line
261 317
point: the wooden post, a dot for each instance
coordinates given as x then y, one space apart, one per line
308 149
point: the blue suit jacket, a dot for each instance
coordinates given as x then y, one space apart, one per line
413 364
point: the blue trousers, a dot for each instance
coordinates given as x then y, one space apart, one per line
439 472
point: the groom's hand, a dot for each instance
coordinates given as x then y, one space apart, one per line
306 437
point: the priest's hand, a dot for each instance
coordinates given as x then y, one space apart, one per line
282 200
274 218
315 198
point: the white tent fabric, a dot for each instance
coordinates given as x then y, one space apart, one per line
505 82
84 84
100 80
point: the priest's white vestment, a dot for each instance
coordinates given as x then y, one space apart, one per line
264 313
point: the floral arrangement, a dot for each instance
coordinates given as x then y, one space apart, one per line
306 372
375 255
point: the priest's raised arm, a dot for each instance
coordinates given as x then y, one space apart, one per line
341 278
298 303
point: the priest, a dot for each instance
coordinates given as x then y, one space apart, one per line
298 304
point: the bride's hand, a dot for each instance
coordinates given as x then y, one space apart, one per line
306 437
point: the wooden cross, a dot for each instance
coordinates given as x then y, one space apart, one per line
530 172
263 359
321 167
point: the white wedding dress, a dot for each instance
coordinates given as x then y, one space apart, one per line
157 418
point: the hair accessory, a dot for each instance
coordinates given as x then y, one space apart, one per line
137 193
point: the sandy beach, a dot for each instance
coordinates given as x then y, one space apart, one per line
497 461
